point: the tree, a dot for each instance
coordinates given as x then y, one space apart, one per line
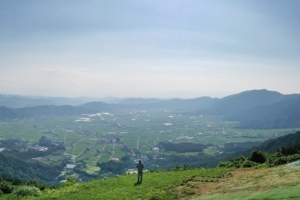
257 156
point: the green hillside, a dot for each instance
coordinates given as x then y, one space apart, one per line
219 183
262 175
278 115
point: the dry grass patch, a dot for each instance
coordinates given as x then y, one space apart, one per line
243 182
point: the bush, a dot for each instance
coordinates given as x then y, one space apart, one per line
249 163
34 183
6 187
233 163
278 161
294 157
258 157
26 191
71 180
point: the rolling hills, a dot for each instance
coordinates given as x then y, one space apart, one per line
254 109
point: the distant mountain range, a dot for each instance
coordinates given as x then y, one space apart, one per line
41 111
283 114
253 109
18 101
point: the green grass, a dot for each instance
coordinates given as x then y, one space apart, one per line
214 183
267 183
156 185
104 158
118 152
148 127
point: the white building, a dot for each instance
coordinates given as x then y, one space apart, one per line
155 149
70 166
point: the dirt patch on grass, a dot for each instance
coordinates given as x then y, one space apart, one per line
243 180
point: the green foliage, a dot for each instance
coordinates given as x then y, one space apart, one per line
44 141
6 187
282 155
257 157
248 163
287 144
117 167
35 183
233 163
13 167
71 180
26 191
188 192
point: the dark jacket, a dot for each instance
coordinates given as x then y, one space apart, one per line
140 167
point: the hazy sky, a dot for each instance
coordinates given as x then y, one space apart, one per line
148 48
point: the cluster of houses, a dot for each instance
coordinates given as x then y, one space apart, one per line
155 149
39 148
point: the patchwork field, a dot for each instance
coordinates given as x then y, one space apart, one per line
100 137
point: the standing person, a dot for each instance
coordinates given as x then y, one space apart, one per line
140 168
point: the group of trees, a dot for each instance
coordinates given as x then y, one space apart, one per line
17 163
116 168
19 187
281 156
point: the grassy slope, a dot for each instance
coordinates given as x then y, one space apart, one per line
268 183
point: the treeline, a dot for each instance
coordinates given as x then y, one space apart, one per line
236 147
282 155
283 141
115 168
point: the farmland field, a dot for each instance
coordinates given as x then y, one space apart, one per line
100 137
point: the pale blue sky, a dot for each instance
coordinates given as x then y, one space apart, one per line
149 48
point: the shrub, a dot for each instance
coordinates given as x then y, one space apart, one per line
233 163
278 161
188 192
71 180
294 157
34 183
6 187
26 191
249 163
177 168
257 156
186 167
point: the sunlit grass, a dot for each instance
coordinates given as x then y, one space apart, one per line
159 185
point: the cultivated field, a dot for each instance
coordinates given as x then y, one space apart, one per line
100 137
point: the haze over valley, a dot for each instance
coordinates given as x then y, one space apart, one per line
103 139
200 91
